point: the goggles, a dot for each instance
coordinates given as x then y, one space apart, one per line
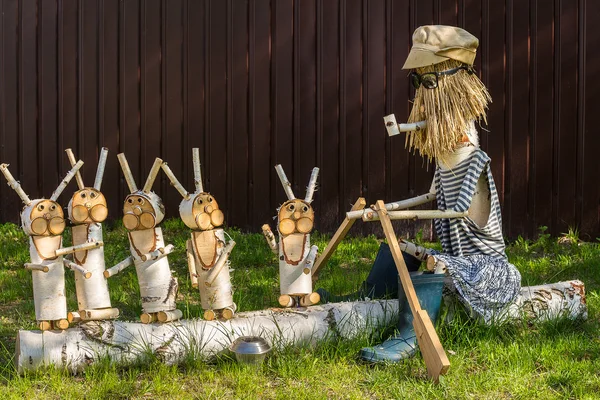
429 80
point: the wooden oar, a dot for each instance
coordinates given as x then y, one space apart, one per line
435 358
337 238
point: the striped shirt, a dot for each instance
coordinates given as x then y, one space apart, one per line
455 189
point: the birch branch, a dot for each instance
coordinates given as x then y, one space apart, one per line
310 259
100 169
63 184
268 234
221 262
73 161
127 173
75 267
158 253
393 128
152 175
197 170
417 214
174 181
118 267
79 247
395 206
36 267
287 186
14 184
312 183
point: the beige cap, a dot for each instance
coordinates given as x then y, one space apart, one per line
433 44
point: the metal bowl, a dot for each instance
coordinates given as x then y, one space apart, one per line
251 350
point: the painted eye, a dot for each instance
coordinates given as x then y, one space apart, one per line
52 207
140 201
291 207
305 208
92 195
199 201
40 207
83 195
210 199
130 200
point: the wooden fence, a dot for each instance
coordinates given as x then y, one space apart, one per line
303 83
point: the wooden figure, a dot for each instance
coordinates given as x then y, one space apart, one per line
43 221
143 210
295 220
207 250
87 210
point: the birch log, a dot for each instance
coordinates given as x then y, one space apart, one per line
126 342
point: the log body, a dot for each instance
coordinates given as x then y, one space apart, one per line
92 293
158 288
48 287
125 342
208 247
293 250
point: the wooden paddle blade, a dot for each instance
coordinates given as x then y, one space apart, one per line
435 358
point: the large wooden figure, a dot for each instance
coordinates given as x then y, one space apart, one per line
87 210
295 220
142 212
207 251
43 221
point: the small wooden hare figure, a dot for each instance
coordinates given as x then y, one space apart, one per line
295 219
143 210
87 210
207 251
43 221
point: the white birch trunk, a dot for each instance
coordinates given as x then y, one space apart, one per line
48 287
158 288
293 250
92 293
219 294
126 342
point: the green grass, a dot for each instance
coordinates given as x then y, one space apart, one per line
553 360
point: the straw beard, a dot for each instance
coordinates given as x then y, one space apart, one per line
448 110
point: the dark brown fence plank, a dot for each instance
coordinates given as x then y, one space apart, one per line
88 89
10 204
282 94
327 198
517 158
29 156
129 55
590 208
567 136
237 139
259 101
47 82
109 104
351 111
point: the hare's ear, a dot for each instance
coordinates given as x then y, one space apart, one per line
63 184
287 186
312 184
73 161
100 169
176 184
152 175
13 183
197 170
127 173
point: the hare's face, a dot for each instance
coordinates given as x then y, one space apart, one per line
142 211
206 212
295 216
46 218
87 206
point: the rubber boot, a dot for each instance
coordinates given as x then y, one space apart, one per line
382 281
403 344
